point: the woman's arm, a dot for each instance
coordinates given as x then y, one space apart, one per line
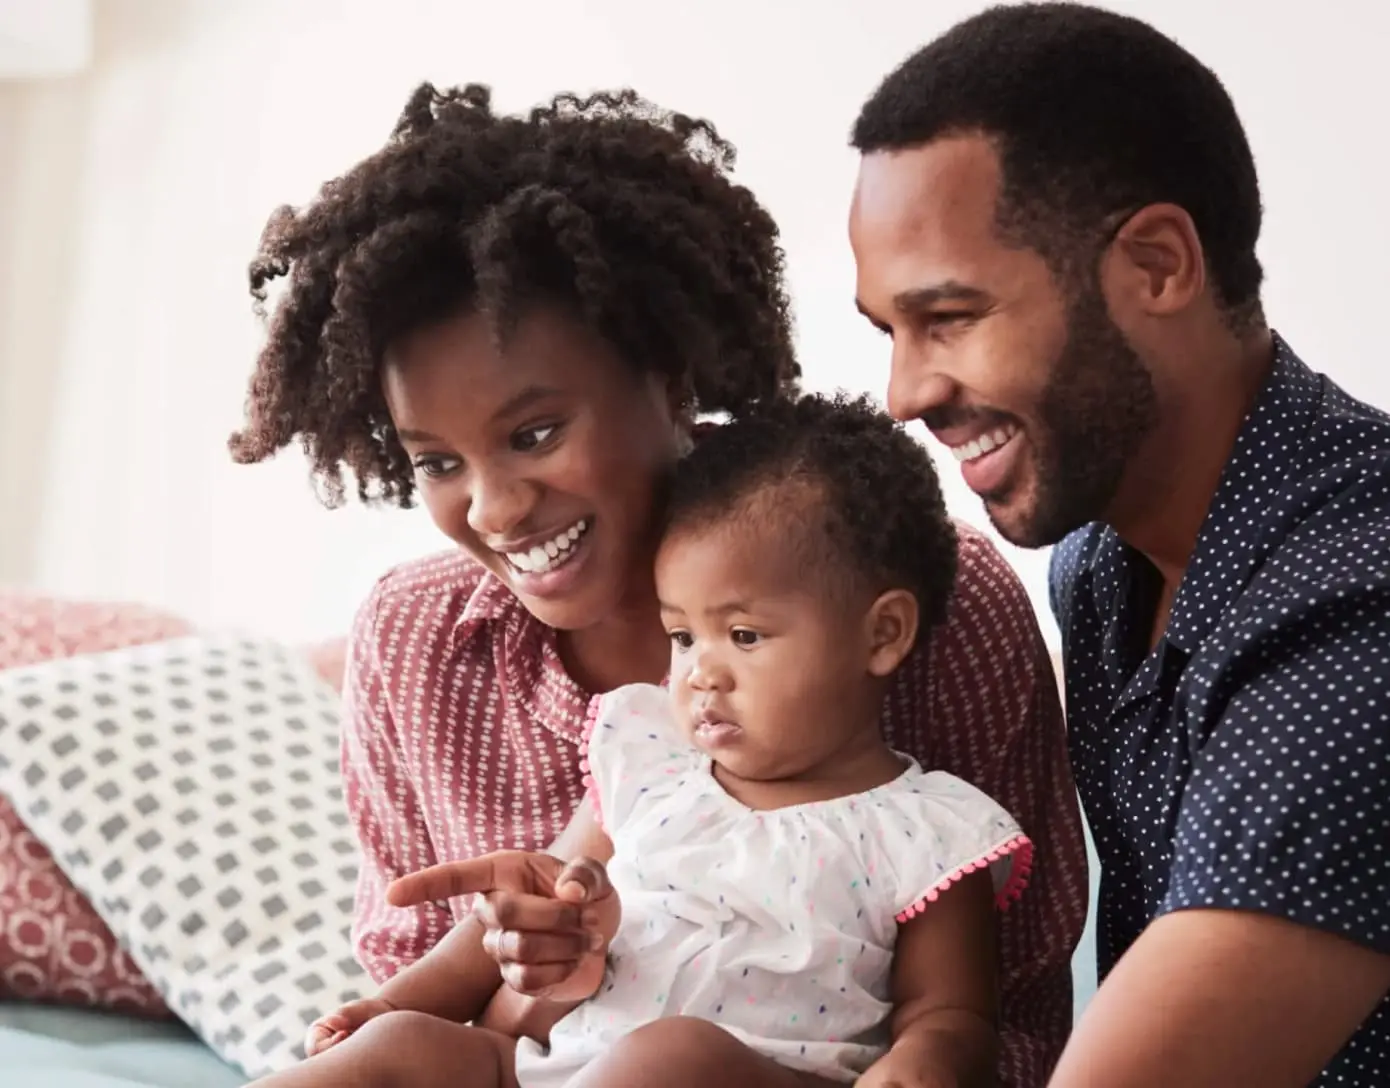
994 718
384 807
945 994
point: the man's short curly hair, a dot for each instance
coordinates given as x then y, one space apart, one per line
605 205
1095 115
856 498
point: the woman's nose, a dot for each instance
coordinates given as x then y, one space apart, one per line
498 503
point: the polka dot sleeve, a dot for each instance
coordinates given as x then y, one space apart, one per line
1288 809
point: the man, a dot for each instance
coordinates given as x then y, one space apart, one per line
1055 220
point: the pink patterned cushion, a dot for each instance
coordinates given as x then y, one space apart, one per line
329 660
53 946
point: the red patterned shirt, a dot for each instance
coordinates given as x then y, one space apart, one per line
462 734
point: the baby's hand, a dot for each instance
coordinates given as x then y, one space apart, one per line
548 923
332 1029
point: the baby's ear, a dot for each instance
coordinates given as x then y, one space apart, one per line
891 625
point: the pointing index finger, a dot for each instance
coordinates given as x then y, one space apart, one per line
505 871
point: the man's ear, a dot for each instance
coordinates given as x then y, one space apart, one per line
1156 261
891 626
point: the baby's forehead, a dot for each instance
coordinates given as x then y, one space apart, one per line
771 544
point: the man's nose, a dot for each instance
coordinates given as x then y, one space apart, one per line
916 386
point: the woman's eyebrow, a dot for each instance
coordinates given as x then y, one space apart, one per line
524 399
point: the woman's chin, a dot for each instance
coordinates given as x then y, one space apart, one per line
568 604
561 587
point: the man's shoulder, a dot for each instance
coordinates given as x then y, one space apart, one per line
1074 554
1331 526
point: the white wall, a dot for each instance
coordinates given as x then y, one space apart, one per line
131 199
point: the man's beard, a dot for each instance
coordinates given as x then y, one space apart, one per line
1096 410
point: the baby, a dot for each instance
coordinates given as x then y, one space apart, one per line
763 878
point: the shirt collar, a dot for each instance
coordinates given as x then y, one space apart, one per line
1234 536
490 600
1238 532
526 658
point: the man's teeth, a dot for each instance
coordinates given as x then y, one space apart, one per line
982 445
550 554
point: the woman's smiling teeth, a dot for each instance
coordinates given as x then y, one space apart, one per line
968 451
549 554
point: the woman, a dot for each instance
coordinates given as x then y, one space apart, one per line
520 319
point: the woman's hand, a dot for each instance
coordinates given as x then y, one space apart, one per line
332 1029
547 923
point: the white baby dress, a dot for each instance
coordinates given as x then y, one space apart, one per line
778 925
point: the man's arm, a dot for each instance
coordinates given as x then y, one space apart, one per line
1213 998
1273 942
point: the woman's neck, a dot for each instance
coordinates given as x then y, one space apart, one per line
628 648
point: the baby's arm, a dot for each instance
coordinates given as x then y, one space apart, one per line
531 925
945 994
515 1013
529 928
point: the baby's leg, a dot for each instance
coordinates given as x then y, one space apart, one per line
407 1050
683 1052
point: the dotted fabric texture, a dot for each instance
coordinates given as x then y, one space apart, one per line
190 791
1240 763
53 946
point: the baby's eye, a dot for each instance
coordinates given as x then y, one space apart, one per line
742 636
682 640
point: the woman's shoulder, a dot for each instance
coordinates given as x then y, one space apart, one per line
441 595
990 631
990 608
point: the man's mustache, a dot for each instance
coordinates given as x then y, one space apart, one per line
948 416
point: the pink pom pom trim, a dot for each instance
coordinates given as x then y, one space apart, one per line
590 786
1020 849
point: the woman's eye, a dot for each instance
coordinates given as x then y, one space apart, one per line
742 636
533 438
682 640
435 467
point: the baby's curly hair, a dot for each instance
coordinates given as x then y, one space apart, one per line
855 496
605 205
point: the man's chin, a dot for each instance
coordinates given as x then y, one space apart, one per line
1019 521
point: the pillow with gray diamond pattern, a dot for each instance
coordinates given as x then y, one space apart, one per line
190 789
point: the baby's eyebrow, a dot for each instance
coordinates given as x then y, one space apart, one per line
724 608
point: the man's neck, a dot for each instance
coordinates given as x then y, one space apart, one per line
1165 497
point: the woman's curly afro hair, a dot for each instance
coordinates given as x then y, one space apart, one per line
619 211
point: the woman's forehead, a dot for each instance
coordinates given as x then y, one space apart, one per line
435 369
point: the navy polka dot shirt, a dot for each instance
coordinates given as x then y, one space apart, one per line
1244 762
